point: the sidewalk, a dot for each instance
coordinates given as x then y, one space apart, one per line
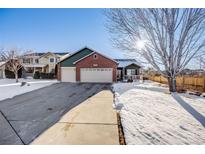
92 122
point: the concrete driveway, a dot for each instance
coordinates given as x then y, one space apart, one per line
92 122
24 117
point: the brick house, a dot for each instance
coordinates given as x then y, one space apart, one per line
87 65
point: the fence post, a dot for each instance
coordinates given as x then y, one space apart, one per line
204 83
195 83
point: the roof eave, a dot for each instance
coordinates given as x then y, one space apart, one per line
73 54
93 53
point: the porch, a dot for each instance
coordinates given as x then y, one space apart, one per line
30 69
131 72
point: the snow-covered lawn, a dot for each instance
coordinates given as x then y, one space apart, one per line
9 88
13 81
150 115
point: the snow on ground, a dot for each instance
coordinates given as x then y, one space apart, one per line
13 81
9 89
150 115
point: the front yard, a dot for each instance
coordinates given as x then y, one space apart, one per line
150 115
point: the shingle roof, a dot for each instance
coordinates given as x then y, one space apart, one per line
43 53
126 62
61 53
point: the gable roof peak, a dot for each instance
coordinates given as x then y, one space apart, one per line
81 49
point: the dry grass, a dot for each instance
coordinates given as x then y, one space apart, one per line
120 130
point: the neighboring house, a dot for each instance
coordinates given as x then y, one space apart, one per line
49 60
150 72
2 70
195 72
41 62
128 69
87 65
31 63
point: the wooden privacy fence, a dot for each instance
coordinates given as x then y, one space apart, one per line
184 82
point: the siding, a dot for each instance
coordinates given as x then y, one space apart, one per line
46 60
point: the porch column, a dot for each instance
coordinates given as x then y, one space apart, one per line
34 70
123 73
4 76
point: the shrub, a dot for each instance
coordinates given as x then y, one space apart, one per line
11 75
36 75
47 75
129 80
145 78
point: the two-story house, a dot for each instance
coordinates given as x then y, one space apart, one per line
41 62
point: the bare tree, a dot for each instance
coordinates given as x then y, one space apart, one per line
168 39
201 61
13 60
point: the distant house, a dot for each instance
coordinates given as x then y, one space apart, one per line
128 69
191 72
41 62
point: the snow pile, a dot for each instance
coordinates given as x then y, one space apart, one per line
152 116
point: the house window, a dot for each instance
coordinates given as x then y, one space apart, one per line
51 60
119 74
57 59
25 61
36 61
131 72
95 56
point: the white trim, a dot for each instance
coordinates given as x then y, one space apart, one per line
68 67
87 55
132 64
74 53
92 54
83 58
34 65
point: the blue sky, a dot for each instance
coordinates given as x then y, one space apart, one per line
57 30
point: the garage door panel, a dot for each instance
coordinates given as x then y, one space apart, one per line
96 75
68 74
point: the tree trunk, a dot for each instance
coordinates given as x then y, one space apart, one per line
16 77
172 84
